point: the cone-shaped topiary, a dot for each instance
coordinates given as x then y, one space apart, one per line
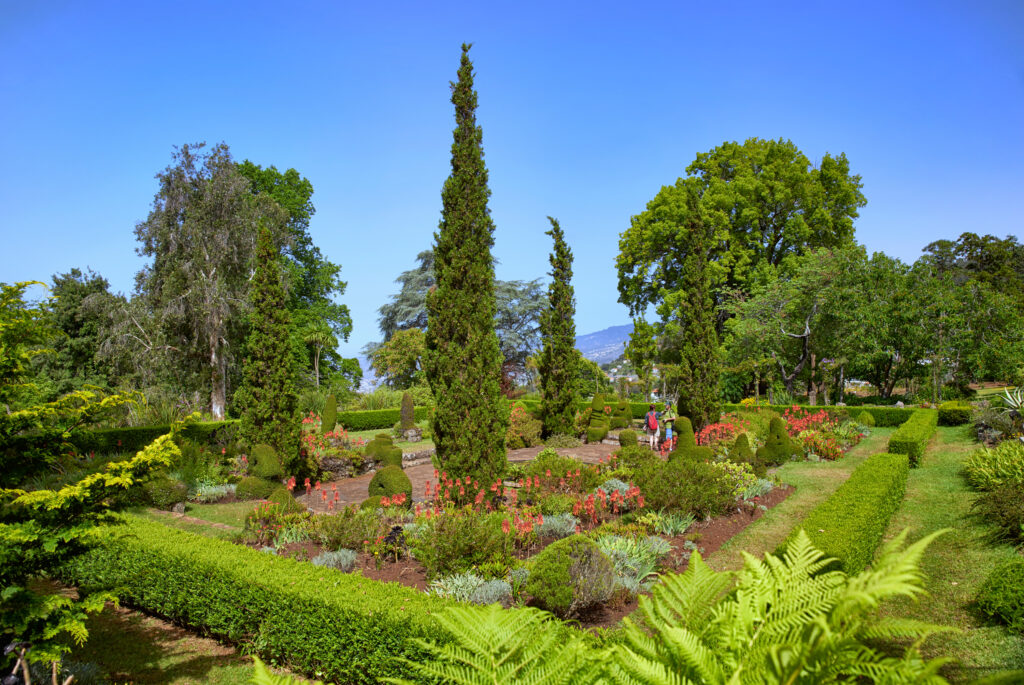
281 497
408 412
389 481
559 359
330 417
742 453
265 463
266 396
684 430
866 419
463 359
778 447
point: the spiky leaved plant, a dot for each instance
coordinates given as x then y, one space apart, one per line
491 645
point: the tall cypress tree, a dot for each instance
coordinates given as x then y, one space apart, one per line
558 327
266 397
463 360
699 367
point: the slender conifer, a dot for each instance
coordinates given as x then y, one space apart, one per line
463 361
557 366
266 397
699 367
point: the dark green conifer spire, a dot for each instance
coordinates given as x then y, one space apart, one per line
699 368
463 360
266 397
558 359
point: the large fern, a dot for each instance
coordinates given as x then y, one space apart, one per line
784 622
491 645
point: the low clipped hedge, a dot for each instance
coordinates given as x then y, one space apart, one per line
1002 594
883 416
850 524
376 419
339 626
912 437
954 413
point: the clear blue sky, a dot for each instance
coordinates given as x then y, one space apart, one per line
587 109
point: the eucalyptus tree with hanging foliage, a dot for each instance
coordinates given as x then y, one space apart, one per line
463 359
558 328
267 397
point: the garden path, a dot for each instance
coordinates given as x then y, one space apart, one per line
355 490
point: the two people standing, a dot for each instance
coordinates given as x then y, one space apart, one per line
652 424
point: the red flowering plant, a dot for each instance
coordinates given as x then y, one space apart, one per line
821 445
799 420
266 521
720 435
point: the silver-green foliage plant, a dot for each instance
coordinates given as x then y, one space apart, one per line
778 620
558 526
492 592
458 586
635 559
342 559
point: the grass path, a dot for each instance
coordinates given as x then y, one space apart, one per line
814 481
955 565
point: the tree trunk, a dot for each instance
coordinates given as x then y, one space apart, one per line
218 369
316 367
757 385
841 391
812 386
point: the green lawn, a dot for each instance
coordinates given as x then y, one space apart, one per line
231 513
814 481
198 528
956 564
406 446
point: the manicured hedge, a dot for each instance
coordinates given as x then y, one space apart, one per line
1002 595
884 416
849 524
954 413
379 418
912 437
339 626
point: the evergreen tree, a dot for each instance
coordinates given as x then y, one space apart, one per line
267 398
695 315
463 359
558 328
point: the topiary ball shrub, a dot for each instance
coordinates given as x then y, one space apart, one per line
163 492
389 481
571 575
596 435
1002 595
391 457
627 438
265 463
778 447
371 503
288 504
254 488
866 419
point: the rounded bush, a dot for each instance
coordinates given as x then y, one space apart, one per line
288 504
163 492
265 463
389 481
371 503
1002 594
778 447
571 575
254 488
627 438
686 485
391 457
682 430
866 418
596 435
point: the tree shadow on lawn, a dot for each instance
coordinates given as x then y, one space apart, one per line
132 647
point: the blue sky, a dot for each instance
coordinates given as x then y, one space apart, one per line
587 110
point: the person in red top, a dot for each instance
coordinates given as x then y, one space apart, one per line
651 426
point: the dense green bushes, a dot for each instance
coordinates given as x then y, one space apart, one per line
382 450
571 575
866 419
954 413
912 437
377 419
850 523
389 481
254 488
627 438
1002 595
685 484
312 619
778 447
988 469
884 416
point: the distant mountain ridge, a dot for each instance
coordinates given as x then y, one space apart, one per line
604 346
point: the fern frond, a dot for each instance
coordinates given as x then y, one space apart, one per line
686 599
264 676
630 668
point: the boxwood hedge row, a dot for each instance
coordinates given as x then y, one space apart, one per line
849 524
333 625
954 413
884 416
912 437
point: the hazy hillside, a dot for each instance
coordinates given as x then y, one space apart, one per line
604 346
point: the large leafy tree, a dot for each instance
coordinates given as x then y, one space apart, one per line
201 235
558 358
312 282
763 201
399 361
266 397
79 312
42 530
463 359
